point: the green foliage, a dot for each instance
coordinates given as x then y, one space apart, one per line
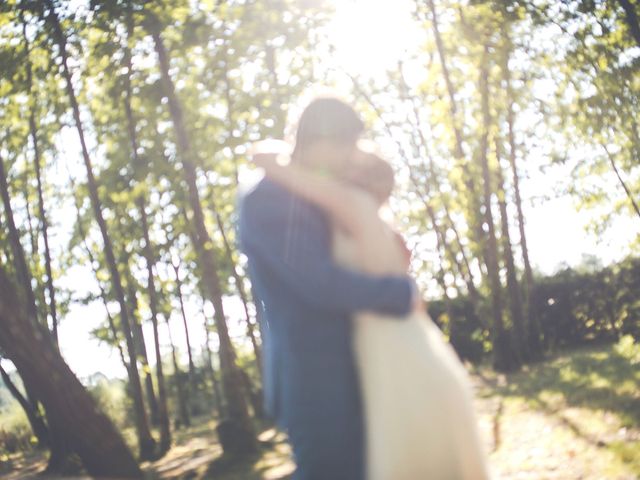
112 399
15 432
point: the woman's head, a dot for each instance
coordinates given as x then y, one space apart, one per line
328 130
370 172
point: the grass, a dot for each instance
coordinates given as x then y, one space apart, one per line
575 415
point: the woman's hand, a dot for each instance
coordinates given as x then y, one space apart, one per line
265 160
264 153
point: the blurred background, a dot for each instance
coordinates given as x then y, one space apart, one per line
124 125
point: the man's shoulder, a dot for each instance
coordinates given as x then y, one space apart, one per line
265 192
269 197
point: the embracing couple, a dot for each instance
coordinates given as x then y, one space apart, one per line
356 372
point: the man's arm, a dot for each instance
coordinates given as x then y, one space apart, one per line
292 238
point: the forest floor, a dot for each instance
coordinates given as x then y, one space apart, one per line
573 416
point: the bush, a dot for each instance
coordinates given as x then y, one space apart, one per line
573 307
15 431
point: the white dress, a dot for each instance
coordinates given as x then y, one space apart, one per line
419 417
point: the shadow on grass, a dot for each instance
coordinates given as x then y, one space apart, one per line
271 462
598 378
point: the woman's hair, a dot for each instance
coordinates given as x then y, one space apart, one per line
373 174
326 118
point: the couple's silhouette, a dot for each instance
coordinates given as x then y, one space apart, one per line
355 370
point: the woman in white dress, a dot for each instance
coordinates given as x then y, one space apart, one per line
419 418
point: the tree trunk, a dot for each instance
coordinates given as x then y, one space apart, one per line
254 392
515 296
24 278
42 214
530 321
217 394
38 426
146 441
163 412
19 259
441 244
103 294
141 346
624 185
505 358
71 408
183 408
230 119
192 367
241 291
432 183
468 177
161 408
237 433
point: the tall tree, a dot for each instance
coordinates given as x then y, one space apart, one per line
215 384
242 292
19 259
505 358
185 323
163 412
146 441
530 321
237 433
37 161
516 306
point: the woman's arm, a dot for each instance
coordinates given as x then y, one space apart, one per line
342 202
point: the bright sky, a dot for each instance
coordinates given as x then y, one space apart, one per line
369 37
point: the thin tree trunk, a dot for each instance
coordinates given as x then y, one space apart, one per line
192 367
279 114
504 356
515 297
531 322
217 394
433 184
141 346
161 408
163 412
19 259
468 177
38 426
625 187
453 104
72 410
103 294
441 244
44 225
241 291
230 119
237 433
183 408
146 441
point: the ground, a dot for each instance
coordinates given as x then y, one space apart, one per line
573 416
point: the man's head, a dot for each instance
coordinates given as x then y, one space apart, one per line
327 133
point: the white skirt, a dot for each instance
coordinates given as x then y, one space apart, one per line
419 417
